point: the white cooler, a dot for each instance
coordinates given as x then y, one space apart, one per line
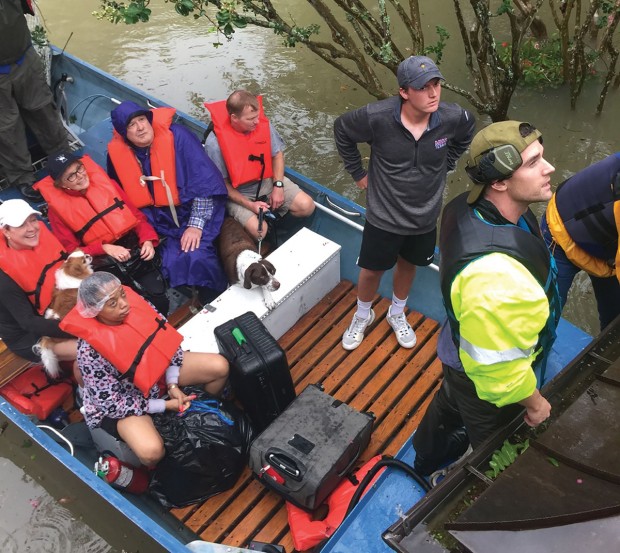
307 266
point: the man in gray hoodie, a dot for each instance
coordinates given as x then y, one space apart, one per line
414 141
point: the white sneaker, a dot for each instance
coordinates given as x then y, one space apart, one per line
404 333
355 333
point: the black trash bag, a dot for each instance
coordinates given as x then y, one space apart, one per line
207 448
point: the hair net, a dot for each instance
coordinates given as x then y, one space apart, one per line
94 291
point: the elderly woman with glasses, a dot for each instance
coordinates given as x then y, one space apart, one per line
128 355
90 211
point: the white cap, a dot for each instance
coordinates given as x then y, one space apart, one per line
13 213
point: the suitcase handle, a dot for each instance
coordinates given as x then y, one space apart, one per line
285 465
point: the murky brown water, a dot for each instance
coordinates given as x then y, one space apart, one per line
173 58
46 510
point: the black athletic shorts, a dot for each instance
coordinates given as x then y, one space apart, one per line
381 248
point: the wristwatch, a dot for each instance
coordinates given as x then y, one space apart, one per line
278 184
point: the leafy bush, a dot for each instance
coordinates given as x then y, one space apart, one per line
541 62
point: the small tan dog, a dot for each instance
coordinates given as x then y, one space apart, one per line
68 277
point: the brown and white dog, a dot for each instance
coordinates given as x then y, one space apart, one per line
243 264
68 277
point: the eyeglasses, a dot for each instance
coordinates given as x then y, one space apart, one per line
74 175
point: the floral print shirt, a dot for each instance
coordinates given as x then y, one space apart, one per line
105 394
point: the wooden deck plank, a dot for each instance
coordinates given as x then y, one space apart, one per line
390 368
215 505
368 370
308 321
221 526
273 530
379 376
338 363
268 506
330 333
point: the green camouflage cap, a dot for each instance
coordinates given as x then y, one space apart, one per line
504 138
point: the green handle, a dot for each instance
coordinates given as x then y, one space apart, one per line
238 335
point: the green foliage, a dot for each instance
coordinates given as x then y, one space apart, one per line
553 461
184 7
542 62
135 12
504 7
228 19
295 34
39 36
438 48
504 457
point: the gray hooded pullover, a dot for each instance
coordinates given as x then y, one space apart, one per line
406 178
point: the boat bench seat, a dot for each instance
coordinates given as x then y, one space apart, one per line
307 267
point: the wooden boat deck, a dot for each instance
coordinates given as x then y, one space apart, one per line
396 384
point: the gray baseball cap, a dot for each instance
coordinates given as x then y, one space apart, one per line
416 71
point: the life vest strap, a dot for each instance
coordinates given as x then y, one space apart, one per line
131 372
37 291
118 204
173 209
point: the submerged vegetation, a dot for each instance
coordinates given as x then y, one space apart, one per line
504 43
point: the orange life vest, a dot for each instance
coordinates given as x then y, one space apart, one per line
140 348
32 393
34 270
237 147
306 531
100 215
162 154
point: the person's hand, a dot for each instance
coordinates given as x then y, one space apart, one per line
178 400
117 252
147 251
191 239
538 410
277 198
258 204
362 184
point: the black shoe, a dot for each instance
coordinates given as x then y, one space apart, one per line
455 446
29 193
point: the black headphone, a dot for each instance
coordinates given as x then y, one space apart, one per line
496 164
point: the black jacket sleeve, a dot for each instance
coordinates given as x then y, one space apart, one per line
15 306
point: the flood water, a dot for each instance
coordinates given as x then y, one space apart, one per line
44 509
173 58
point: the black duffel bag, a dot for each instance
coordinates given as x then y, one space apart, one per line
206 450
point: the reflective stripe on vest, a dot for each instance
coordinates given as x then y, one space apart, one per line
486 356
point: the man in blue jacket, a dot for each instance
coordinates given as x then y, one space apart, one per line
581 227
165 171
415 140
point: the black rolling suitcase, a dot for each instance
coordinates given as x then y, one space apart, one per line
310 447
259 371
